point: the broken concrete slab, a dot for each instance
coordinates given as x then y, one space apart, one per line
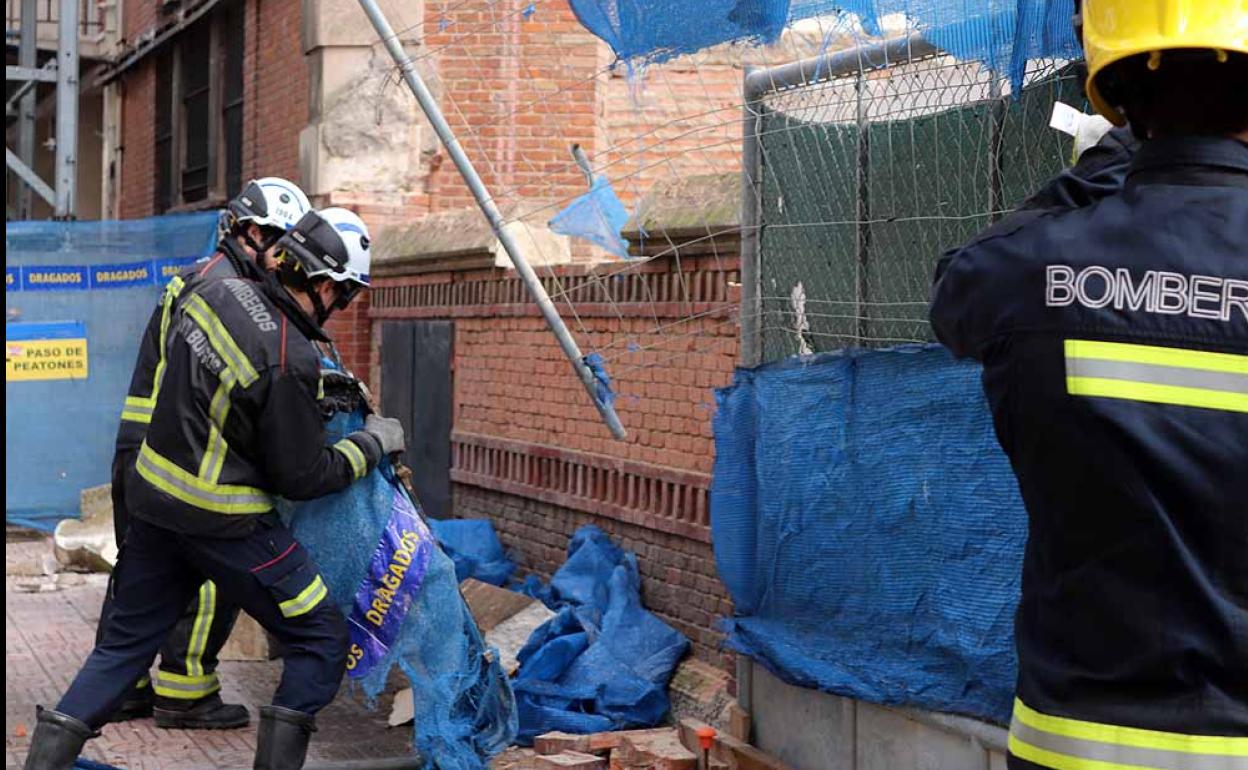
490 604
700 691
570 760
88 544
511 635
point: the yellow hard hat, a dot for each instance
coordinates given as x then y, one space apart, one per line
1116 29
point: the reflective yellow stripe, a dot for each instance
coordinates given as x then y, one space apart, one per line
1130 736
359 463
144 681
307 599
1152 354
185 687
143 417
1160 375
171 293
1157 394
218 409
220 339
200 628
163 474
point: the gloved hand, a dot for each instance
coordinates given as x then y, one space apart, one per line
388 431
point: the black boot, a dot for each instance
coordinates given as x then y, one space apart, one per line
137 705
282 743
207 713
57 740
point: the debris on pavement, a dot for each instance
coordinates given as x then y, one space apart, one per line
88 544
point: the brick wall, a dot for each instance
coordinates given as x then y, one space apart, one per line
275 88
138 141
679 583
529 450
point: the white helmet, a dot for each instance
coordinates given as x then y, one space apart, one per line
270 202
332 242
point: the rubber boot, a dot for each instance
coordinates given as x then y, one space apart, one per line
57 740
282 743
137 705
207 713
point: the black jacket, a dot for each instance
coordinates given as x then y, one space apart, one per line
1111 317
237 421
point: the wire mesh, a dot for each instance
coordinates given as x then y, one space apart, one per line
868 177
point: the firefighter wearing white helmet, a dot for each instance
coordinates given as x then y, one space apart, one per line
332 243
185 691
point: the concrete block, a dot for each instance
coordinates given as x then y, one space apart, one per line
887 740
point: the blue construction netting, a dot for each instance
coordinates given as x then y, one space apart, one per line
869 528
1003 34
77 297
400 595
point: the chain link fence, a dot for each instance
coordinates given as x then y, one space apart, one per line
862 168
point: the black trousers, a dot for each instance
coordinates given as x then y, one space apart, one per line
188 657
267 573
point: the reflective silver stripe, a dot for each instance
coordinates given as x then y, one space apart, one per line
354 455
307 599
167 477
1119 755
1156 374
185 687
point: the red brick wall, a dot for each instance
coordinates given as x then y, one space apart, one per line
138 140
530 450
275 77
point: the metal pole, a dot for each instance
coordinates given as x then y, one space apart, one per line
751 222
490 209
27 57
67 111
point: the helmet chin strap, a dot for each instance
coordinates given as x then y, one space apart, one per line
318 307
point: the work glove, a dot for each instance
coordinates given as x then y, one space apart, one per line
388 431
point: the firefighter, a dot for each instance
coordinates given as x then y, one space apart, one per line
185 692
1112 324
235 424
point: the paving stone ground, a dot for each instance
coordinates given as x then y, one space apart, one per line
49 629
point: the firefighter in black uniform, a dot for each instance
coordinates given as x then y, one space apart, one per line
235 423
1111 316
186 688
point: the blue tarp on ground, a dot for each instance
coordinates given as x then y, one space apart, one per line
603 663
475 549
869 528
71 281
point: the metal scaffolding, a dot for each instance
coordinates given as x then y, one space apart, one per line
62 70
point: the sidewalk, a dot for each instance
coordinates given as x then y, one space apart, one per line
49 629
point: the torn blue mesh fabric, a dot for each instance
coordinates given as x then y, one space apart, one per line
869 528
464 707
1002 34
474 547
602 380
597 216
602 663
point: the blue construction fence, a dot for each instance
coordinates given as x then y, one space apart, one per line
77 297
869 528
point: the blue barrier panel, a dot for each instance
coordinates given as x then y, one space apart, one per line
77 296
869 528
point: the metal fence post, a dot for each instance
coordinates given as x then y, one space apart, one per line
67 111
26 57
751 226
